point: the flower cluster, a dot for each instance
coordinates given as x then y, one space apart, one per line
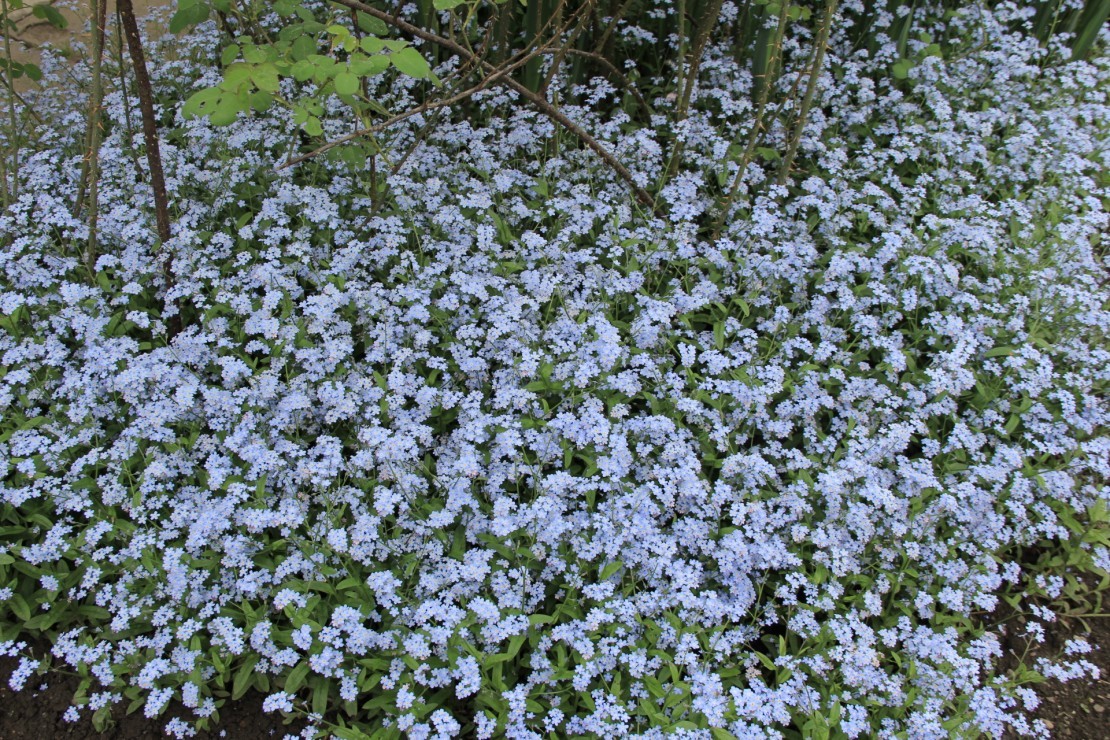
510 455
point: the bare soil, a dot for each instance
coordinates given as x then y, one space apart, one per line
32 33
35 713
1079 709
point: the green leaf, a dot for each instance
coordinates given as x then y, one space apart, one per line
312 126
303 70
229 54
188 15
225 110
372 25
515 643
447 4
50 14
372 45
261 100
320 696
20 608
302 47
254 54
265 77
409 61
200 103
296 677
43 621
364 66
901 69
32 70
243 677
609 570
346 83
235 76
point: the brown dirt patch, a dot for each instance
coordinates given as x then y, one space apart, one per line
1078 709
34 714
32 33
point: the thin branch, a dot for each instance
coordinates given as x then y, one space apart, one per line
535 99
153 151
388 123
23 101
811 90
701 41
150 122
757 126
11 111
613 70
613 23
579 27
90 167
686 83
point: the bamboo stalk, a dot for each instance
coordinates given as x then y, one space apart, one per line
12 120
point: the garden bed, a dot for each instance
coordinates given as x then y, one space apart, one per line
596 406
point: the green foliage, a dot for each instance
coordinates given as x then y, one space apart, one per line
325 53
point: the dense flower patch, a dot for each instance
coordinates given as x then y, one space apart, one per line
510 455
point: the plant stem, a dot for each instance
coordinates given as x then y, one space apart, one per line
153 152
92 157
537 100
12 121
686 85
757 125
817 63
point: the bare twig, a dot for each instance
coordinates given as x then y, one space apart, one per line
390 122
150 137
90 167
579 27
701 41
150 122
613 23
757 127
130 127
816 64
537 100
615 72
687 83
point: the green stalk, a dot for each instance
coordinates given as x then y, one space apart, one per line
816 65
96 101
12 120
772 54
679 73
767 41
702 34
532 22
1094 18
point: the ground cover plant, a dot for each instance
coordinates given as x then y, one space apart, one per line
451 431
